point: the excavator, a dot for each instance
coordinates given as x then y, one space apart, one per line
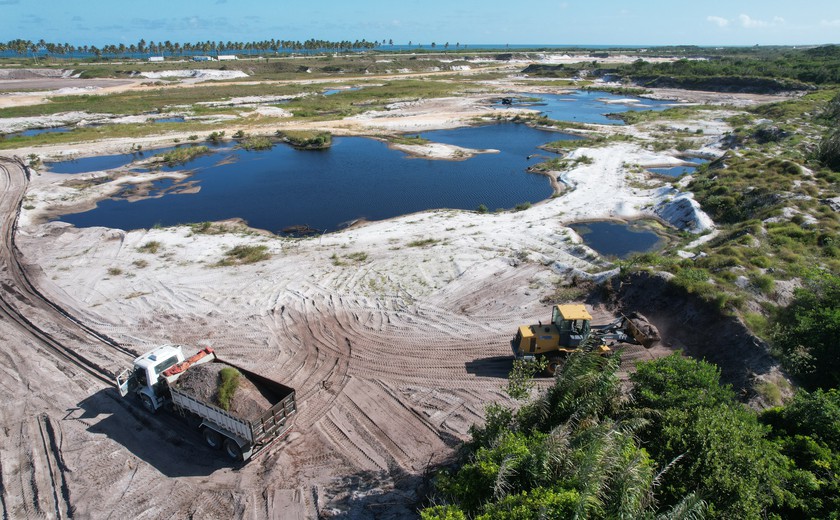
571 329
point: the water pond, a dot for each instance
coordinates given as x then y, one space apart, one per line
357 178
617 239
39 131
676 171
176 119
106 162
333 91
586 106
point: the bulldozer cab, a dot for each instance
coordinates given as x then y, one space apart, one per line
572 322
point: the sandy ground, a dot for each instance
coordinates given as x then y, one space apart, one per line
394 352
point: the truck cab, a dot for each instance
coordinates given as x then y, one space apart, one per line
143 378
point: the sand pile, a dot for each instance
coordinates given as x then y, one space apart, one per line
202 381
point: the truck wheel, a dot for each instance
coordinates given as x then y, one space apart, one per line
147 403
233 450
213 438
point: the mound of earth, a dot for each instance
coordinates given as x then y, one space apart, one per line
34 73
697 327
202 382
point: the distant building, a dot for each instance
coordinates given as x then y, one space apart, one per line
227 57
202 58
155 58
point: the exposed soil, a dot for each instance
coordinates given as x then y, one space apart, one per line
393 357
202 381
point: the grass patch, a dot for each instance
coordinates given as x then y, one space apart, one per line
423 242
146 100
373 97
631 117
240 255
408 140
256 143
115 271
307 139
359 256
182 155
152 247
140 264
228 383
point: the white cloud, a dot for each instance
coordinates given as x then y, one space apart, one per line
754 23
721 22
749 23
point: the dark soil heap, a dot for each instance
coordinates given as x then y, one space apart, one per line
202 382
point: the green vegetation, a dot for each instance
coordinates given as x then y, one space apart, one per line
182 155
115 271
240 255
567 454
761 70
680 447
407 139
423 242
228 383
806 332
147 100
151 246
374 97
256 143
307 139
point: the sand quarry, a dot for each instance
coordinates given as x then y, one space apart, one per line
393 357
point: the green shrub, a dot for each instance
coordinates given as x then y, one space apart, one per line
256 143
228 383
182 155
150 247
423 242
245 255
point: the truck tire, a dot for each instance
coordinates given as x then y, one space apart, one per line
147 403
233 450
213 438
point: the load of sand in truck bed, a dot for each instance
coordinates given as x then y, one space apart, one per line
248 402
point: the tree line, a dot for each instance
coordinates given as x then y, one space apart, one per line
168 48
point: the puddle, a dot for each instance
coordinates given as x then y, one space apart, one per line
585 106
677 171
617 239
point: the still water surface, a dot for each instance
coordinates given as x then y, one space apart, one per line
357 178
616 239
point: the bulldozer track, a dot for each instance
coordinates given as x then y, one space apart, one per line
28 308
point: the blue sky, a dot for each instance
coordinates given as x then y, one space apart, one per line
656 22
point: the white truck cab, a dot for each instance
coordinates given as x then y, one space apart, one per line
144 375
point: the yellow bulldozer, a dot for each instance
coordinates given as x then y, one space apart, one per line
571 329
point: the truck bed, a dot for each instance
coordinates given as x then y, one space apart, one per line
271 424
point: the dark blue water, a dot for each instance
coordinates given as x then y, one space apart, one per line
109 162
169 120
676 171
615 238
587 106
357 178
39 131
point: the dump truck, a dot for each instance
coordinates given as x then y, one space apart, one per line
154 379
571 329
